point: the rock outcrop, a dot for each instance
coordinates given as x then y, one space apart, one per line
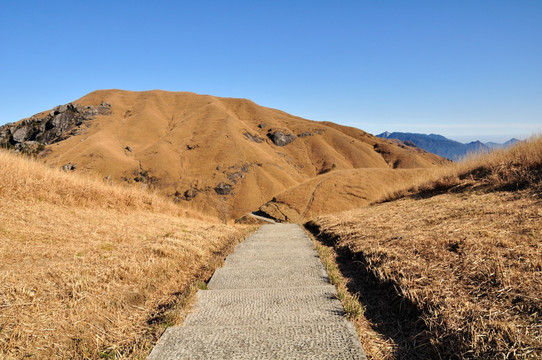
31 135
223 188
280 139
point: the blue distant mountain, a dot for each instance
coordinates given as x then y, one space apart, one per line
438 144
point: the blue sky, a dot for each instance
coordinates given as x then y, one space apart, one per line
464 69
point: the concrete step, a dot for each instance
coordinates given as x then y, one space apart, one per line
318 341
271 259
287 306
271 277
275 245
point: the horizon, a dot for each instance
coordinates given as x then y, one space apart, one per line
462 138
462 70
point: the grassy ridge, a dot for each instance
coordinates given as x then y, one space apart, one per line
464 249
514 168
94 270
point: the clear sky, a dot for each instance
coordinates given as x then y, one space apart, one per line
464 69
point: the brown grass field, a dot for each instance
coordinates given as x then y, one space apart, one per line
450 267
92 270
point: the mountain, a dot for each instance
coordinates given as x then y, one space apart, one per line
442 146
494 145
222 156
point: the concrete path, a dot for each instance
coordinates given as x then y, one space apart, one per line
271 300
263 218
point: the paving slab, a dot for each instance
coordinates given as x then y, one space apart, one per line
263 277
271 300
320 341
286 246
274 306
270 260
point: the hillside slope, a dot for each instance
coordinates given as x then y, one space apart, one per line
223 156
92 270
453 269
337 191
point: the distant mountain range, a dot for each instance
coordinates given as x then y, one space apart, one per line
440 145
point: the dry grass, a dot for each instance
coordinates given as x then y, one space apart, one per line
23 179
91 270
468 260
514 168
373 342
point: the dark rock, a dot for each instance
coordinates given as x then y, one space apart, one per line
192 147
29 147
4 134
254 137
306 133
218 167
223 188
69 167
60 109
261 126
234 176
20 134
236 172
73 107
142 176
190 194
62 122
281 139
128 148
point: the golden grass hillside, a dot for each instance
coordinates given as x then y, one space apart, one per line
92 270
338 191
186 145
457 264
